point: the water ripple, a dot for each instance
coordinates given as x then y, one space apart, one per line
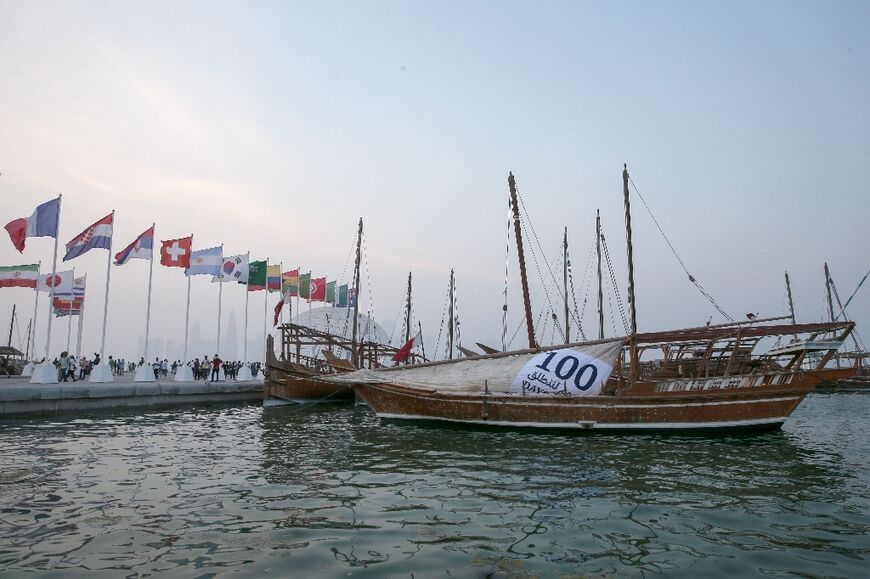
330 491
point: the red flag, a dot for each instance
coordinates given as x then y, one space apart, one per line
278 307
176 252
318 289
405 350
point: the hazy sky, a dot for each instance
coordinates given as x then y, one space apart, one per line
272 127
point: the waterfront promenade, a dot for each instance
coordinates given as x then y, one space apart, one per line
19 397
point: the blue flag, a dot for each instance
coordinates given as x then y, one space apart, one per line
206 261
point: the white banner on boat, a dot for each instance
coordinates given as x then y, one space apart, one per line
562 372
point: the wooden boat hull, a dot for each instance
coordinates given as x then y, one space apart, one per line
828 377
740 409
286 388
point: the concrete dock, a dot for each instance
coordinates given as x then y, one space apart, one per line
19 397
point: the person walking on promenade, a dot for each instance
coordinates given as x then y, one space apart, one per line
156 367
64 366
215 368
196 369
73 366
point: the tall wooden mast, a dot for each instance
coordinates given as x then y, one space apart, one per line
408 312
635 370
600 288
790 302
355 353
530 324
565 273
450 321
12 324
828 291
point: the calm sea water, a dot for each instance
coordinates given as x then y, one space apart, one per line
332 492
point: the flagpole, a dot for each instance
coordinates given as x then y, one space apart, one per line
281 267
247 291
266 309
79 337
69 312
45 373
148 307
185 373
31 335
142 372
220 301
102 372
187 319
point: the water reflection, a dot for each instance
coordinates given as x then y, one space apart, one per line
330 490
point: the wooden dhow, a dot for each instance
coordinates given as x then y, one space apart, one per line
309 354
707 378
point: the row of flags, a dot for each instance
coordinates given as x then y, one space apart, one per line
257 275
68 293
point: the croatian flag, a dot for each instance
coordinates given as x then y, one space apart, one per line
139 249
97 236
43 223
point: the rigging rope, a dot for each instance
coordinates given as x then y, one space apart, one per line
540 249
443 316
855 336
615 289
504 310
692 279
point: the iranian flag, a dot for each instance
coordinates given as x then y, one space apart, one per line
19 275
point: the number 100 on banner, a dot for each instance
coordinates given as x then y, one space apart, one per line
562 372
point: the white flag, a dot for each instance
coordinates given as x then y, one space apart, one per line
234 268
62 282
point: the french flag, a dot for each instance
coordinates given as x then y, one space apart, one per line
97 236
141 248
43 223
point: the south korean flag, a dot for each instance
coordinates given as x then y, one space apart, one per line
234 268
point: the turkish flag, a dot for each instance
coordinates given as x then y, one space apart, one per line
176 252
318 289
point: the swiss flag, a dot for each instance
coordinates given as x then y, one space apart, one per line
176 252
318 289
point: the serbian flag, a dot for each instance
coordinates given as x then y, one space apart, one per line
141 248
317 291
97 236
405 350
42 223
176 252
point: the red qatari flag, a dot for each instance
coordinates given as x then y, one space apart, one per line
176 252
318 289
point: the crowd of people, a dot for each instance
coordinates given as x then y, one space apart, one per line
69 368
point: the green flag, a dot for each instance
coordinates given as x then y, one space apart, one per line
256 276
330 292
342 296
305 285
